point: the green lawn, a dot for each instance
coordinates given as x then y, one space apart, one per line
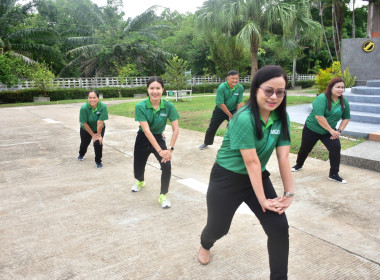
196 114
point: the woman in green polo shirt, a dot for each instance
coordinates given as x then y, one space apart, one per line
239 174
91 117
152 114
328 109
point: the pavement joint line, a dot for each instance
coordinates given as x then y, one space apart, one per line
337 246
51 121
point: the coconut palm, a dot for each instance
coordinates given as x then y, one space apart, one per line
26 43
117 41
305 31
248 20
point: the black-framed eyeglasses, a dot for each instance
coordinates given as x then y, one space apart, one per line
280 93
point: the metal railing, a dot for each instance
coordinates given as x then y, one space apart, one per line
128 82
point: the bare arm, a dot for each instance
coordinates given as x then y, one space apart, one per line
89 130
225 110
323 123
253 166
99 131
343 124
175 128
282 154
165 154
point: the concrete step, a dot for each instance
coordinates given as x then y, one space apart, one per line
362 98
365 107
366 90
373 83
365 117
366 155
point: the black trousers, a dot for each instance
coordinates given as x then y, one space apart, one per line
226 192
143 148
85 140
218 116
310 138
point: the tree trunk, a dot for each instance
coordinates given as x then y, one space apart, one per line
353 20
324 31
373 20
294 59
294 71
254 60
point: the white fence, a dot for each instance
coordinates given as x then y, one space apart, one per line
128 82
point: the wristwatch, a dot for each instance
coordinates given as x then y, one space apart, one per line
171 148
339 130
288 194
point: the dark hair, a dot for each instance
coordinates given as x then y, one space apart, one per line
264 74
97 94
328 92
232 72
155 79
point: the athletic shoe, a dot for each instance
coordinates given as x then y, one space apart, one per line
138 186
203 146
295 168
80 158
165 203
99 165
337 178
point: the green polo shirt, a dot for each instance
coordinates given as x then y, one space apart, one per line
241 134
230 97
91 116
144 112
320 108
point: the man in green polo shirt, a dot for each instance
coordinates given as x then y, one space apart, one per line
229 97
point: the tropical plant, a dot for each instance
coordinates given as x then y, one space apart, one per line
116 41
325 75
303 32
27 43
42 77
12 69
247 20
349 80
175 73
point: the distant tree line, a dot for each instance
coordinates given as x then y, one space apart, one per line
77 38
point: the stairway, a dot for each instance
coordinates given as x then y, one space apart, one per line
365 102
365 108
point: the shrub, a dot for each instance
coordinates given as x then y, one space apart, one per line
349 80
324 76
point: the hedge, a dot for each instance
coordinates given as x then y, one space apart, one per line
26 95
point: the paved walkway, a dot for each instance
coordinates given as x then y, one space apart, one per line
63 219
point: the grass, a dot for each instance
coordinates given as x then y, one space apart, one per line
196 114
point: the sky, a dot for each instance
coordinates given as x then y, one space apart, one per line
133 8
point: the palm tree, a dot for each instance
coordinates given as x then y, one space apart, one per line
247 20
115 42
20 41
305 31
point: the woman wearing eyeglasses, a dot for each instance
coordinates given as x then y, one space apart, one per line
328 109
239 173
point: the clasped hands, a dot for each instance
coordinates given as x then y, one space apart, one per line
278 204
334 134
97 137
166 155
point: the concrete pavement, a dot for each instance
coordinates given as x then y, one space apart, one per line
63 219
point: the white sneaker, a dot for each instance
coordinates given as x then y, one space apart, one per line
138 186
164 201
